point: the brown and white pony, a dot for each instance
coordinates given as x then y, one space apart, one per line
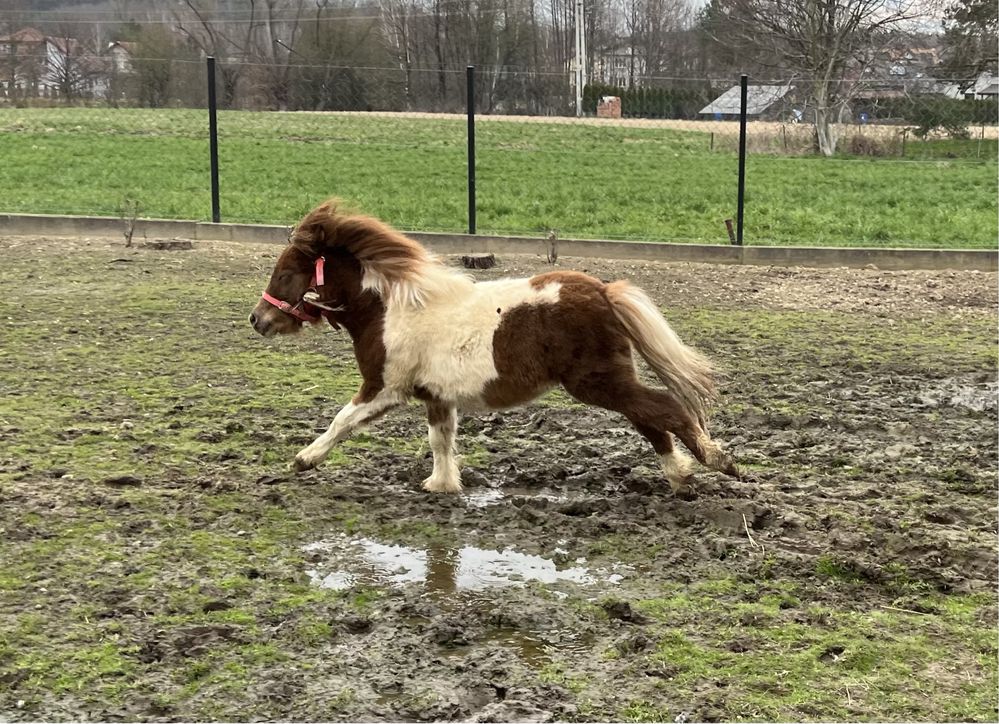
426 331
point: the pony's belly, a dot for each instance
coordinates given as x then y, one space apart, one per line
450 369
472 404
502 393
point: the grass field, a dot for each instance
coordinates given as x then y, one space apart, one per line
583 180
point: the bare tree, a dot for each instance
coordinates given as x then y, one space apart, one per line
971 39
825 43
334 44
72 67
153 68
229 42
397 31
274 46
20 72
650 27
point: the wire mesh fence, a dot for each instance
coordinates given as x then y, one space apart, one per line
650 158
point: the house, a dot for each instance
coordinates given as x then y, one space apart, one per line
985 86
950 90
886 89
33 64
762 101
907 60
620 67
121 53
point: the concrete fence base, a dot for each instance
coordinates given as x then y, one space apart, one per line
820 257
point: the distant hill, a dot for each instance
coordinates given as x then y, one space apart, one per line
87 7
68 5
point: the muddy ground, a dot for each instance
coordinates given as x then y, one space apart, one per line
161 562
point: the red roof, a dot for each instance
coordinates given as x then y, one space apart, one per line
25 35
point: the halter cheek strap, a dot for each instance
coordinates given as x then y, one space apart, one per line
298 310
318 276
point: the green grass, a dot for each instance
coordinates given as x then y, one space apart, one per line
584 180
771 658
833 340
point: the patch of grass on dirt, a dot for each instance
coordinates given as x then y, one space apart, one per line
554 673
640 183
166 395
622 547
779 661
557 397
807 342
198 575
163 399
959 480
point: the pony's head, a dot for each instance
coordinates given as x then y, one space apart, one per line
283 307
387 264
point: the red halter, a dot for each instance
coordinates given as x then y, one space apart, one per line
299 310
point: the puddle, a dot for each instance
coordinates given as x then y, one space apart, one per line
483 498
953 393
345 562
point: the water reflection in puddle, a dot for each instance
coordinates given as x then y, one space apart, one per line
344 562
483 498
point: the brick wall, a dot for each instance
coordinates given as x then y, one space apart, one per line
609 107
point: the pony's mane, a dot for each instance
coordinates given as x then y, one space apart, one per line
397 268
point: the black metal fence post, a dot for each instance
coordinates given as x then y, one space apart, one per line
213 141
470 103
744 92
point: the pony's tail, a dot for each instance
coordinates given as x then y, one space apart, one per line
686 372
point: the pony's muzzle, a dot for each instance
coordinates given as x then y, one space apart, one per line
260 324
257 323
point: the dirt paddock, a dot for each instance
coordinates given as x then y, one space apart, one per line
161 561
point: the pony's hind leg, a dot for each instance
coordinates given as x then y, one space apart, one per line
676 465
664 410
442 429
654 413
712 455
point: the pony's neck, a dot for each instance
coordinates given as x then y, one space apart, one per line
362 316
344 288
364 320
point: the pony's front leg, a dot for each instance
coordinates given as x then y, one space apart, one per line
442 427
360 411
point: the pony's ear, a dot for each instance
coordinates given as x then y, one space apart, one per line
316 231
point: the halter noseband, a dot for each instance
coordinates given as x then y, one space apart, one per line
299 310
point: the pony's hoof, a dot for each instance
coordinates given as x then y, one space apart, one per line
686 492
441 486
684 489
300 465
